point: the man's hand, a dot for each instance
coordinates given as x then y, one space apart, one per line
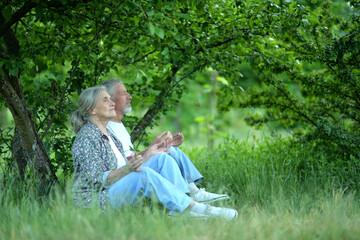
177 140
162 137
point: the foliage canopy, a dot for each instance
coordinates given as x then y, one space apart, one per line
306 54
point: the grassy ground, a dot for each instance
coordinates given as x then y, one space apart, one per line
280 191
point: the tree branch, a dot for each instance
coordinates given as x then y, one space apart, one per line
16 17
217 44
61 100
28 7
4 140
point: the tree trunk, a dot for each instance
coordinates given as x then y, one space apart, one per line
213 105
19 155
149 116
29 150
155 109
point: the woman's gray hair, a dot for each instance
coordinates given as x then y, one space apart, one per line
110 85
87 101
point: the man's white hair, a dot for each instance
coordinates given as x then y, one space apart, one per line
110 85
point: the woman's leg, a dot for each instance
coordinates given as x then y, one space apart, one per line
167 167
187 168
147 183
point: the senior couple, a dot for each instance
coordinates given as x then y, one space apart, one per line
107 171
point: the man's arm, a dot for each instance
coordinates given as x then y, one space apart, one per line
162 138
134 163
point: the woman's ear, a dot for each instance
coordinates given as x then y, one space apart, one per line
92 112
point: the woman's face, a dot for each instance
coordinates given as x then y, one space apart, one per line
104 108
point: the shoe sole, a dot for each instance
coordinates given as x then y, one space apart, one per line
178 215
225 216
214 199
205 217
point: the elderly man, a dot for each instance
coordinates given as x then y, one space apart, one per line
191 175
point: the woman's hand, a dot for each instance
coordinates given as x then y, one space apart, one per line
134 163
157 148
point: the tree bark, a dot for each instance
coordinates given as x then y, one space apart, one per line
29 149
212 110
19 155
149 116
155 109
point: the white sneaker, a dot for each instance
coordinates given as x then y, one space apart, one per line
219 212
203 196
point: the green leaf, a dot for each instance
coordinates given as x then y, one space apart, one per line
223 80
152 28
160 32
14 71
39 11
165 51
200 120
134 4
7 12
185 16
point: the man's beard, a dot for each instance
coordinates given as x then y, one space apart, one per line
127 110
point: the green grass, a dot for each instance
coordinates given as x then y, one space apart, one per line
281 191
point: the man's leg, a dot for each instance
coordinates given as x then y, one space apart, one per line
192 176
147 183
187 168
168 168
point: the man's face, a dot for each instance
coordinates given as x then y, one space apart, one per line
122 99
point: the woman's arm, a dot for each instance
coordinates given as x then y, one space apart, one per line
132 165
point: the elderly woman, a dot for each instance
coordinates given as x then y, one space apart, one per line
103 176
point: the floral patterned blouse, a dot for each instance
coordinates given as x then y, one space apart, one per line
93 161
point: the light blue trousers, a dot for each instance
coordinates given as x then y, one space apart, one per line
187 168
160 178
